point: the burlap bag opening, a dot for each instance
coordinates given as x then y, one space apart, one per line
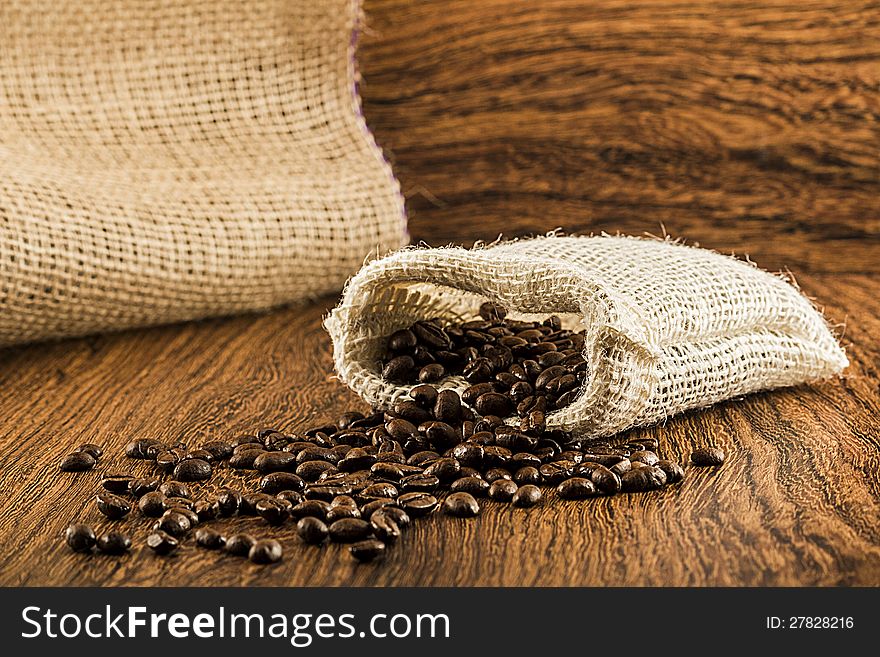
668 327
163 160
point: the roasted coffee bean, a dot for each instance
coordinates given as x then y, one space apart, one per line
266 551
143 448
432 336
326 492
206 510
402 340
219 449
400 429
473 485
440 434
398 516
417 504
312 530
77 462
275 482
380 489
175 489
239 545
201 454
209 539
445 469
290 496
461 505
493 403
369 508
478 371
526 496
142 486
169 458
419 483
247 505
674 471
502 490
95 451
316 508
162 543
339 512
527 475
398 369
424 395
268 462
228 501
447 408
245 459
547 375
384 527
357 458
469 454
556 472
116 483
80 537
312 470
495 456
173 522
472 393
637 480
621 467
113 506
114 543
349 530
192 470
431 372
152 504
576 488
605 480
367 550
495 474
492 312
708 457
644 456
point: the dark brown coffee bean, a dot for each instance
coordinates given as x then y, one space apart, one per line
173 522
268 462
380 489
384 527
493 403
637 480
621 467
424 395
179 503
526 496
478 371
494 474
475 486
116 483
447 408
206 510
445 469
402 340
367 550
431 372
461 505
314 508
339 512
471 394
674 471
77 462
326 492
80 537
312 470
502 490
548 375
115 543
175 489
209 539
275 482
492 312
400 429
605 480
417 504
192 470
556 472
152 504
469 454
644 456
239 545
432 336
576 488
228 500
162 543
410 411
244 460
219 449
421 482
142 486
527 475
349 530
398 369
266 551
312 530
708 457
143 448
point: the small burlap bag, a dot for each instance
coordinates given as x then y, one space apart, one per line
668 327
163 160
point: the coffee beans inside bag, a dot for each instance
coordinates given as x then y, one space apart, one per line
666 327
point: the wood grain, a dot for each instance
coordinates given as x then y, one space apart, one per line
748 127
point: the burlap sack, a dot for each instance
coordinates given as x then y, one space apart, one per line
668 327
163 160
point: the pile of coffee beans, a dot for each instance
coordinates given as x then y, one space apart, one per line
363 479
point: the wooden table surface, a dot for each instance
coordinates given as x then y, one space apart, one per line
746 127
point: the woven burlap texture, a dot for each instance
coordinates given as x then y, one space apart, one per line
668 327
163 160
